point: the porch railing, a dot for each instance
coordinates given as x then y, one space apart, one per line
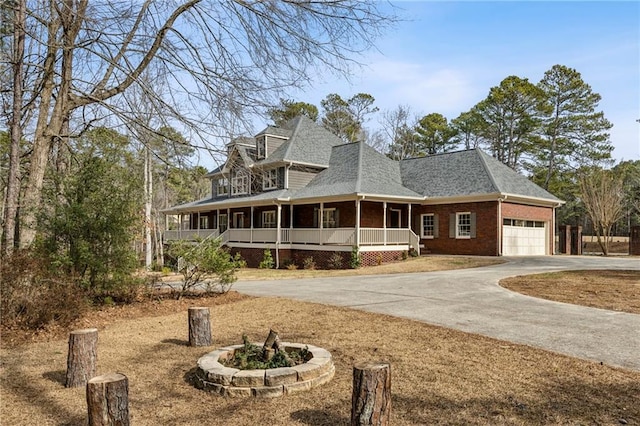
316 236
189 234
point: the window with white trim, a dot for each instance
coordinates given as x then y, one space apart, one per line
269 219
238 220
329 218
261 147
222 187
427 229
239 183
223 222
463 225
204 222
270 179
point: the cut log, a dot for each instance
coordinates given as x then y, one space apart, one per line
108 400
371 398
269 343
199 327
82 357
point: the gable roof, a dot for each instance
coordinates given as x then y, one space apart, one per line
465 174
357 169
308 143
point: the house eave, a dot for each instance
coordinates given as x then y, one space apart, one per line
495 196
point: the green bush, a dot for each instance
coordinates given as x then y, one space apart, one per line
205 267
356 258
267 260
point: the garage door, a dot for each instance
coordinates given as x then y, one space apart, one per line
523 238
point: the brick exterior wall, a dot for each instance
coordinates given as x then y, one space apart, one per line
484 244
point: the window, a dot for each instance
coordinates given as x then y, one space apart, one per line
204 222
269 219
223 223
223 186
238 220
239 183
523 223
428 229
261 147
463 225
270 180
329 218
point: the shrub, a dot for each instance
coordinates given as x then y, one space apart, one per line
413 253
379 259
205 267
267 260
292 266
335 261
356 258
405 255
34 296
309 263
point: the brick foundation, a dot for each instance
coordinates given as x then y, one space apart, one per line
322 259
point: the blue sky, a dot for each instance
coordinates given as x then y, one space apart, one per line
445 56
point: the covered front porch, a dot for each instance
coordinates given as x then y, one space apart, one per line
359 223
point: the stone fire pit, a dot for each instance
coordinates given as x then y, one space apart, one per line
214 377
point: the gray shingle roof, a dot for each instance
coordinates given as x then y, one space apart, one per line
224 202
466 173
308 143
356 168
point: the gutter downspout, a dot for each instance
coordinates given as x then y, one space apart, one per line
500 224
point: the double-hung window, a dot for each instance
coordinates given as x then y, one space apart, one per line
223 222
427 226
222 186
270 180
269 219
329 218
463 225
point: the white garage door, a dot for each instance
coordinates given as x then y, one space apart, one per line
524 238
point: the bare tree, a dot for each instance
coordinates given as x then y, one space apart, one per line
13 179
603 197
222 61
398 127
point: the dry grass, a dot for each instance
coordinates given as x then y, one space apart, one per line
605 289
439 376
417 264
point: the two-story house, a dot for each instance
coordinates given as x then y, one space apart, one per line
299 191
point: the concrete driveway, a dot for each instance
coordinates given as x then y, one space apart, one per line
471 300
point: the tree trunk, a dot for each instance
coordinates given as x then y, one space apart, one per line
199 327
108 400
81 360
148 198
371 398
13 178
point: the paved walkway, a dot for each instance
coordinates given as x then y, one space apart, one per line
471 300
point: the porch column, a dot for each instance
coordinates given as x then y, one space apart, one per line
290 223
198 224
384 222
320 220
251 221
278 226
358 223
409 218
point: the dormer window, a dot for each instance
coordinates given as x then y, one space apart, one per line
261 147
239 183
222 187
270 179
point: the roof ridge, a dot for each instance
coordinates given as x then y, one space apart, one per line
359 171
481 154
294 133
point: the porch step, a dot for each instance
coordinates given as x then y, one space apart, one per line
424 251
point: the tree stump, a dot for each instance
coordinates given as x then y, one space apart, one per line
199 327
371 398
82 356
108 400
